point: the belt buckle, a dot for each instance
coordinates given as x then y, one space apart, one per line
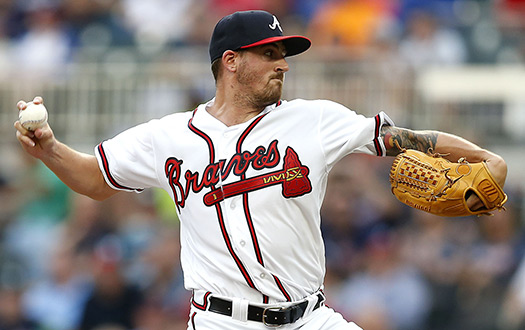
264 316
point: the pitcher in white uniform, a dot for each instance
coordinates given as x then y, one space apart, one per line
247 172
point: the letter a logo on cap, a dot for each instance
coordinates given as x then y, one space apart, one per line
275 24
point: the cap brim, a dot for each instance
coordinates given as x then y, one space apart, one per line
294 44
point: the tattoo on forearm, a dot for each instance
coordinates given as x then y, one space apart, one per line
396 138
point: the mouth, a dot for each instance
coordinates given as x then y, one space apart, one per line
279 77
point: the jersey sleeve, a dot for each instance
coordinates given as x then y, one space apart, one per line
127 161
343 131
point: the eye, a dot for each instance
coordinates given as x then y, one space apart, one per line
268 52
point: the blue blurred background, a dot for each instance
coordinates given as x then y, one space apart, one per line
67 262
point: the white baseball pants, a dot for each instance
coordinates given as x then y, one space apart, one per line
323 318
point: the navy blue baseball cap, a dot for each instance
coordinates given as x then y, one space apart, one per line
245 29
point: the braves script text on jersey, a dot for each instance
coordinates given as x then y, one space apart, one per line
248 196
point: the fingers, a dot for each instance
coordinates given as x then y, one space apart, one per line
474 203
25 139
26 136
38 100
23 130
21 105
43 136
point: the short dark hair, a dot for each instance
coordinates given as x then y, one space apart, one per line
216 68
216 65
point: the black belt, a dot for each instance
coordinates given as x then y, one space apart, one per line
271 316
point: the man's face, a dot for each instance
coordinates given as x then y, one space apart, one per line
261 74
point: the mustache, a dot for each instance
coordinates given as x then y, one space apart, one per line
279 75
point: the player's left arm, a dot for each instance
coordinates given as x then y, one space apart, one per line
452 147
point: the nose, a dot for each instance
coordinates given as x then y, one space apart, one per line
282 65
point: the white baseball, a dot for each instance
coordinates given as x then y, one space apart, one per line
33 117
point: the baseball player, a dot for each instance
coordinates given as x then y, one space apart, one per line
247 172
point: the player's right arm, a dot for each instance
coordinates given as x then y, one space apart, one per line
79 171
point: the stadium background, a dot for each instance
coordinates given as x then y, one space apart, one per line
105 65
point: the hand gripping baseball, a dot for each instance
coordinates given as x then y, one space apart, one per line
438 186
36 138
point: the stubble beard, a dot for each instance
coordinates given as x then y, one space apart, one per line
261 98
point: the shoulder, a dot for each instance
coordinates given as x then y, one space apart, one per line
318 103
319 110
318 106
177 119
159 126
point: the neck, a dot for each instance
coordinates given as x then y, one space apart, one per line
233 109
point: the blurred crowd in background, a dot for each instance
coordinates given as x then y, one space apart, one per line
68 262
424 32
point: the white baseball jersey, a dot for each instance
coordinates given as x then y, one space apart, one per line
248 196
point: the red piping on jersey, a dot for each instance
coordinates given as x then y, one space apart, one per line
110 177
281 287
224 232
193 320
245 196
247 212
230 247
203 135
377 144
204 305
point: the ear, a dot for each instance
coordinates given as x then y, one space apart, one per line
229 60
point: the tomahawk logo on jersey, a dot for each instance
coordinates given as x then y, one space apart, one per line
293 176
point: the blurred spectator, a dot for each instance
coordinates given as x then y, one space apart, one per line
305 9
4 40
443 10
349 213
492 259
512 314
95 27
348 23
87 223
437 248
226 7
510 14
47 199
388 294
12 285
158 23
428 43
509 20
8 201
45 47
385 68
11 315
339 223
468 264
166 298
42 204
55 300
80 13
113 301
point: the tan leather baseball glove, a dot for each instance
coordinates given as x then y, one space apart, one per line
433 184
